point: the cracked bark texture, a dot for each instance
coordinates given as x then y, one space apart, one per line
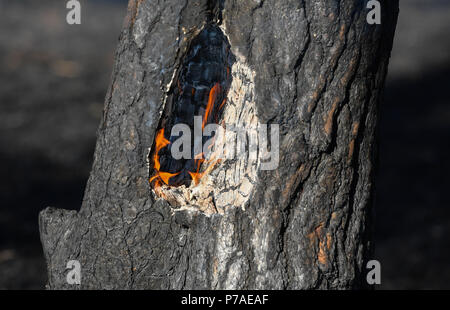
319 73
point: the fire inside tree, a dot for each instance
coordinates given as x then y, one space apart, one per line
218 86
200 89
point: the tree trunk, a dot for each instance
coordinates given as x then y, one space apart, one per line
316 68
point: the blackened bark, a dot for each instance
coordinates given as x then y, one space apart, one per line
319 70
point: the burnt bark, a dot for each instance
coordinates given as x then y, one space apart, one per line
319 70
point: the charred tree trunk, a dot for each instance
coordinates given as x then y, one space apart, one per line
316 68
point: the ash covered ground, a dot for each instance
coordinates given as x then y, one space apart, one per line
53 79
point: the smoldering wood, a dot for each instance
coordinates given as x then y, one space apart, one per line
317 69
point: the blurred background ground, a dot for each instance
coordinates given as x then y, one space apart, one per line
53 79
413 185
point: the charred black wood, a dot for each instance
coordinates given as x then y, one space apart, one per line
206 65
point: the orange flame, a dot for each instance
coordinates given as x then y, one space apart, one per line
223 103
220 108
196 176
212 98
163 177
161 142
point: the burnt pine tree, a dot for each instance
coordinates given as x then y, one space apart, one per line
148 221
